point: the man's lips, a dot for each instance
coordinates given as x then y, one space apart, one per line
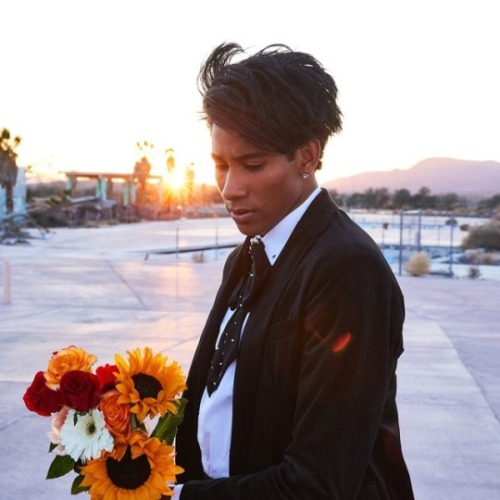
241 214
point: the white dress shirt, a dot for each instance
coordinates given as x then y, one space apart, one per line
216 411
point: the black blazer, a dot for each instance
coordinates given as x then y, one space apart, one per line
314 411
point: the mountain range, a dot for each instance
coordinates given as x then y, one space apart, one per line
472 179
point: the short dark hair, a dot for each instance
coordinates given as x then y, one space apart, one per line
277 98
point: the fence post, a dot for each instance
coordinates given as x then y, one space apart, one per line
452 221
419 234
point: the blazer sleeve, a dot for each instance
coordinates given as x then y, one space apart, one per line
349 313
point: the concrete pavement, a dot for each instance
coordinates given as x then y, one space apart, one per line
110 289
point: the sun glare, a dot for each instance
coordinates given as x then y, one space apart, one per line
176 179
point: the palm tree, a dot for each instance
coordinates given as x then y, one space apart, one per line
8 166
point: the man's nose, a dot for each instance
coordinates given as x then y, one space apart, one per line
233 186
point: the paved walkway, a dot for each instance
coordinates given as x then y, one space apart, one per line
108 290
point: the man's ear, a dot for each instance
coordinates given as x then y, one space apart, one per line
308 156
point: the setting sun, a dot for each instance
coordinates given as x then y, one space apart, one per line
177 180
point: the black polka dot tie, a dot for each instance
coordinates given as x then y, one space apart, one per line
252 281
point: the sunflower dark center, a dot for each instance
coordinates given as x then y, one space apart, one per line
146 385
128 473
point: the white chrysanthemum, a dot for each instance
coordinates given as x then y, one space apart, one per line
85 436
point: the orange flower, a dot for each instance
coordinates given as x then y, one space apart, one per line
117 415
141 473
66 360
148 383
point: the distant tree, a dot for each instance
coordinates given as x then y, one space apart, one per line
423 198
382 198
356 200
8 166
142 170
402 199
171 168
145 146
448 201
170 161
189 176
489 204
369 198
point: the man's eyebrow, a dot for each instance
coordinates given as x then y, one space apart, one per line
244 157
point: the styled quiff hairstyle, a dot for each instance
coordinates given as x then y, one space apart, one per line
277 99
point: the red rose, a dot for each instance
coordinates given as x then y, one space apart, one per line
40 399
107 377
80 390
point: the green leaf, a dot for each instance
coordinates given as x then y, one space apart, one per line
76 486
166 428
52 446
60 466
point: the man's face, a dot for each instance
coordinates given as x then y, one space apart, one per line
258 188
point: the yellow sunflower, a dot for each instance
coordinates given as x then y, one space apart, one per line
148 384
65 360
142 473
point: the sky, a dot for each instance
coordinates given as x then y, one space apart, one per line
83 82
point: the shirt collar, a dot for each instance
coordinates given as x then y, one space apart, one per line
277 237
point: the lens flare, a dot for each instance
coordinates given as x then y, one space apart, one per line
341 342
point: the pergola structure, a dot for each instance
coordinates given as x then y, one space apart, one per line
104 184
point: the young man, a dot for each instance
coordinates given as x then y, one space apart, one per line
306 409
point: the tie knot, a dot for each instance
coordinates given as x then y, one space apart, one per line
255 266
259 261
258 271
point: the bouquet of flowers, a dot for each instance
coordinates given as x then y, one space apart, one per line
100 421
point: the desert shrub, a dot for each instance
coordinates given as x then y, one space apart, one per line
473 272
419 264
485 236
478 257
49 217
471 256
488 259
198 257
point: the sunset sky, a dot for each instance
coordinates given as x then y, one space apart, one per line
82 82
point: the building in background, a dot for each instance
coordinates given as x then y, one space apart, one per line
19 195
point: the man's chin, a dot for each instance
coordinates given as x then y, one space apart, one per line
244 230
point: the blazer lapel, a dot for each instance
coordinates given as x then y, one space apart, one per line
203 355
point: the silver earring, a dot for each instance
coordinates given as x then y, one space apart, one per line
304 175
